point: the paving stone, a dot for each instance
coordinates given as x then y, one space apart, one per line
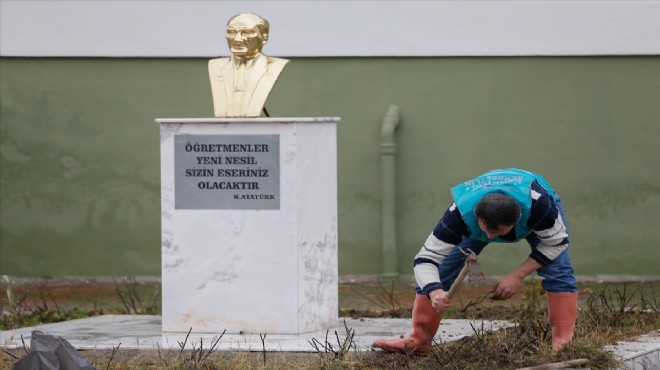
144 331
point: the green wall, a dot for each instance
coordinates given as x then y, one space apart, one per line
79 152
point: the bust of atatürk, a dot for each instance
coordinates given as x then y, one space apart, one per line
241 84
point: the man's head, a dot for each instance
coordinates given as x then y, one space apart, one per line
497 214
247 34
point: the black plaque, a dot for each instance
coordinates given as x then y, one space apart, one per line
226 172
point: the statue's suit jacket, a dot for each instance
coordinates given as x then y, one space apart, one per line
261 78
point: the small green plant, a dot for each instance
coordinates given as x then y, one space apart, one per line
35 303
29 307
649 301
382 297
134 301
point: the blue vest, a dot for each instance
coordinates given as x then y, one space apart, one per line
511 181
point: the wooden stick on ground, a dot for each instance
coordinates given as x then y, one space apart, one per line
558 365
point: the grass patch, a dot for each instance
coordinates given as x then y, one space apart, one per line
42 301
607 313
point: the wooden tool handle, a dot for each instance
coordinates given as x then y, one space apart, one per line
458 281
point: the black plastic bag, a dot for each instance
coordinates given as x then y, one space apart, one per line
51 353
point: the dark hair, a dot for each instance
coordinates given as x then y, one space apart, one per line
497 209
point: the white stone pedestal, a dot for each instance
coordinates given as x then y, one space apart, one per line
258 253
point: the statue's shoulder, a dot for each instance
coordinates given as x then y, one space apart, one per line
277 62
218 63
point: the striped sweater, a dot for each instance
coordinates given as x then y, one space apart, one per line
544 221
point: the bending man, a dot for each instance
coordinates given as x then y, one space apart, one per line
501 206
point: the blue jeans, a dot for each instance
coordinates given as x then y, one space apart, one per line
557 276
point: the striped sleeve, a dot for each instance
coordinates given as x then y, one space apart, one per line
445 236
547 223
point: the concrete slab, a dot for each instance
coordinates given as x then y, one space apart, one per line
641 353
144 332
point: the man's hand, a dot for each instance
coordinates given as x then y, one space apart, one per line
507 286
439 300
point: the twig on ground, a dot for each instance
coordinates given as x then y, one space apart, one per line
385 299
25 347
263 346
127 290
475 302
214 343
182 345
43 292
343 346
198 354
112 356
9 353
160 355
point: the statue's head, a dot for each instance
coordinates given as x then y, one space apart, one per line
247 34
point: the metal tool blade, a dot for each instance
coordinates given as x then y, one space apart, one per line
476 273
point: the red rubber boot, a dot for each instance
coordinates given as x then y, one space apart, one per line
562 309
425 321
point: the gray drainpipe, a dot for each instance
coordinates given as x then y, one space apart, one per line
391 122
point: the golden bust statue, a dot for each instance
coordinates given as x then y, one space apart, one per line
241 84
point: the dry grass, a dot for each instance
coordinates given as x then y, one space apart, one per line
607 314
43 301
